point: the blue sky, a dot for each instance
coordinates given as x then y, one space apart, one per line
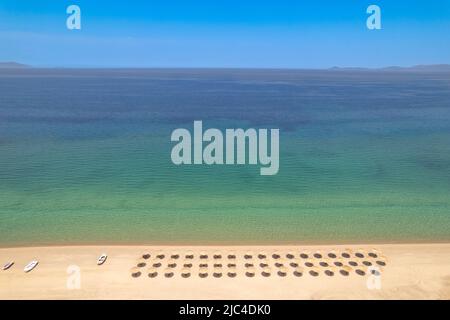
232 33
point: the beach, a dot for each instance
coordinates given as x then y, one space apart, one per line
412 271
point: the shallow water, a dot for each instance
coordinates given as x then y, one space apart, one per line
85 157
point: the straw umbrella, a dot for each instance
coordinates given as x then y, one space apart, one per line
330 271
366 262
373 253
381 261
231 265
314 271
323 263
282 271
361 271
347 253
152 273
232 272
146 256
156 264
172 263
318 255
346 270
218 264
189 255
160 255
185 272
203 255
266 272
360 253
141 263
309 263
264 263
262 255
298 272
168 273
231 255
280 263
187 264
332 254
135 272
203 265
217 255
276 255
217 272
250 272
248 255
249 264
295 263
304 254
175 255
290 255
203 272
338 262
353 263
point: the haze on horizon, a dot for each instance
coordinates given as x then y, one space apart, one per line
255 34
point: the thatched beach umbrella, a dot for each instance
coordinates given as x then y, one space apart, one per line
305 254
309 263
318 254
353 263
231 265
266 272
314 271
146 256
280 263
135 272
338 262
330 271
366 262
187 264
345 270
360 253
381 261
203 272
290 255
250 272
174 255
361 270
160 255
373 253
298 271
203 255
276 255
323 263
332 254
172 263
218 264
347 253
217 273
262 255
248 255
168 273
185 272
232 272
264 263
156 264
231 255
152 273
189 255
249 264
282 271
217 255
203 265
295 263
141 263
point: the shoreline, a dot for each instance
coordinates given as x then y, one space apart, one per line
412 271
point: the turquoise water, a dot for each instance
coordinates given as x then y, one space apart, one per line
85 157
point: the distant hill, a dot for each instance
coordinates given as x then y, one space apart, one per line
424 68
13 65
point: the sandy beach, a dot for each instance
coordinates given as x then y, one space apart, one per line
412 271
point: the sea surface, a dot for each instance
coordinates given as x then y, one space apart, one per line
85 157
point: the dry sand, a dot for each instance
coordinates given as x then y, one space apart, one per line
413 271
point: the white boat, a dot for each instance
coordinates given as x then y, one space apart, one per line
8 265
30 266
101 260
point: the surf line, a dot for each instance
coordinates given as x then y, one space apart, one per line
241 147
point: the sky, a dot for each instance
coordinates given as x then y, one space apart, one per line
225 33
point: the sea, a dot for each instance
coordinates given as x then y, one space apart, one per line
85 157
